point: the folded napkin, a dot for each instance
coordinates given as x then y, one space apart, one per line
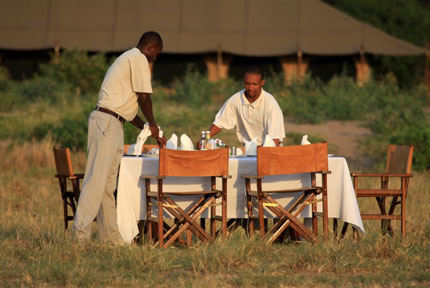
186 143
268 142
136 149
172 143
239 151
305 140
251 147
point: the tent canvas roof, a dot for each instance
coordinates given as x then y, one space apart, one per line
242 27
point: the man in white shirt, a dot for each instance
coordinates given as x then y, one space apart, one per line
126 86
252 112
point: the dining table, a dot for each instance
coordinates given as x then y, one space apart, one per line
131 194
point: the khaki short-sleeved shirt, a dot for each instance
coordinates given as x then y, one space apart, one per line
128 75
252 120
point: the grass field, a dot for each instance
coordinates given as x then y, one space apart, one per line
35 251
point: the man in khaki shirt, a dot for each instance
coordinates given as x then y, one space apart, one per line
126 86
252 112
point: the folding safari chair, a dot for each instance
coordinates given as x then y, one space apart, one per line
399 163
288 160
63 163
176 163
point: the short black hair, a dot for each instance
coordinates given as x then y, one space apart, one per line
150 37
254 69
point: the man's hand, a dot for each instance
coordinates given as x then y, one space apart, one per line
161 141
155 134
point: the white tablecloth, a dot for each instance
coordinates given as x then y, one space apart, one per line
342 203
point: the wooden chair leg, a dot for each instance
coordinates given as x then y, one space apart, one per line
189 238
261 219
381 204
213 223
203 223
66 215
403 216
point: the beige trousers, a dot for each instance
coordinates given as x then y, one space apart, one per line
105 149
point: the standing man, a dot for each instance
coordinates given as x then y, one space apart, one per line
252 112
126 86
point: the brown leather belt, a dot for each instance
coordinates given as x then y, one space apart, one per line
107 111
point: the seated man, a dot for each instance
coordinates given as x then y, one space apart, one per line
252 112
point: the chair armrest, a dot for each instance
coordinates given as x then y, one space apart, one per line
382 175
79 176
224 176
245 176
151 177
324 172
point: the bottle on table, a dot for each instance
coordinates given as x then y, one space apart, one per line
202 141
209 142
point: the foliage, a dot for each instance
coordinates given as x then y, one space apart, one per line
417 135
19 94
5 79
392 113
78 69
397 18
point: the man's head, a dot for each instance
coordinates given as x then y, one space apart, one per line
151 45
253 81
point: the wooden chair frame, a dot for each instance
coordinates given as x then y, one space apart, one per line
399 164
63 163
276 161
174 163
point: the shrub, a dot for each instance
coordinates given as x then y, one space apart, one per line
419 136
77 68
194 90
20 94
5 79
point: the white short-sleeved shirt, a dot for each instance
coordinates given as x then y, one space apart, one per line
252 120
128 75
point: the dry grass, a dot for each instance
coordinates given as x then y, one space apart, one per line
34 251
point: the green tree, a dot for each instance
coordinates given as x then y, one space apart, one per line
408 20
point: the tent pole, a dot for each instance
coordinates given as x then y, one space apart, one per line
427 71
299 66
56 52
218 61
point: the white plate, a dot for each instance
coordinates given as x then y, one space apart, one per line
330 155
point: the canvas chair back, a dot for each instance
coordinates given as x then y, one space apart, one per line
177 163
399 159
292 159
63 161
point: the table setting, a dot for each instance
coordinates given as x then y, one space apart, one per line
342 203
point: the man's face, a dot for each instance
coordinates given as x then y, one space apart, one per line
151 51
253 85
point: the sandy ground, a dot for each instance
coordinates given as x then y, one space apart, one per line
342 137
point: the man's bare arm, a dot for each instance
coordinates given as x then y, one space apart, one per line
214 130
137 122
145 104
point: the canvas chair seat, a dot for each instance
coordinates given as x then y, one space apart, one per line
176 163
288 160
65 175
399 164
